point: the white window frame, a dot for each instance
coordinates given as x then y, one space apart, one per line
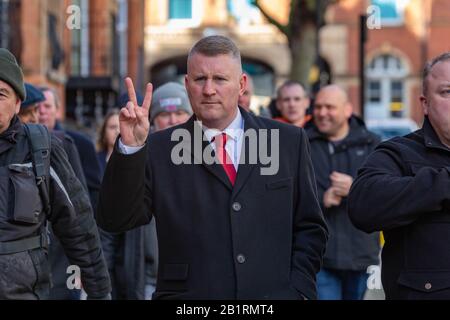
194 21
386 77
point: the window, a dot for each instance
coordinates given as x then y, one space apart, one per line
79 54
374 91
4 24
385 93
392 11
57 53
75 52
185 13
180 9
10 31
244 11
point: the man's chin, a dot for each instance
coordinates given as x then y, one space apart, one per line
209 115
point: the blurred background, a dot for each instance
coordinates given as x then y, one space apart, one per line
375 49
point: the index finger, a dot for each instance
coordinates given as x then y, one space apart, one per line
148 97
131 91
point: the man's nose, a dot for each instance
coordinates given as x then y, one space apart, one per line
322 112
208 88
41 108
172 119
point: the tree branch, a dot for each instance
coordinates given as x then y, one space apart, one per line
282 28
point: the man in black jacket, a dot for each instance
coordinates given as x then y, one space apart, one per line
24 208
340 143
404 190
91 176
227 228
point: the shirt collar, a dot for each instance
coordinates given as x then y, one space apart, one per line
233 131
431 138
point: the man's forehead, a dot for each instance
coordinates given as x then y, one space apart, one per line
203 62
49 96
441 71
332 93
292 90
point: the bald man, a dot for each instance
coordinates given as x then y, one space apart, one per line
340 143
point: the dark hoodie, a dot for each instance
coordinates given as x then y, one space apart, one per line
348 248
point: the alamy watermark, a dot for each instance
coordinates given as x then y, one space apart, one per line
258 147
74 279
374 280
73 21
373 17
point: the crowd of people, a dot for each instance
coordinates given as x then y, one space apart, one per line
140 226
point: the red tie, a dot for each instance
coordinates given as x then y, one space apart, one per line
224 159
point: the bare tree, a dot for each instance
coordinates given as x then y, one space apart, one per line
306 17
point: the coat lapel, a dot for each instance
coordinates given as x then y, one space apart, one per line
215 169
245 168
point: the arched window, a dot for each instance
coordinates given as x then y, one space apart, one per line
385 91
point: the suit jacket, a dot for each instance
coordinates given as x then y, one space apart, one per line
264 238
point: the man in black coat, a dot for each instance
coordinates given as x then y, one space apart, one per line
257 233
59 263
83 159
28 198
340 143
404 190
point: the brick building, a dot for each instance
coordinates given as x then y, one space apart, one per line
410 33
149 39
406 34
83 48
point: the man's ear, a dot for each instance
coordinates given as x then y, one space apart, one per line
306 103
18 103
186 81
277 104
424 103
348 110
242 84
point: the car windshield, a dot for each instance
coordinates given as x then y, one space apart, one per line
390 132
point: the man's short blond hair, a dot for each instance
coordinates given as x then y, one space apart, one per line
212 46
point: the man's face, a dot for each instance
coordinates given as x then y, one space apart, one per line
112 130
245 99
214 85
30 114
331 112
436 102
166 120
48 111
9 105
293 103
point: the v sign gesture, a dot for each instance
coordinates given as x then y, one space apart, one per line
133 119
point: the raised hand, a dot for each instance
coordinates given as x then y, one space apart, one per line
133 119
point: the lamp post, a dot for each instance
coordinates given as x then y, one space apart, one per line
362 76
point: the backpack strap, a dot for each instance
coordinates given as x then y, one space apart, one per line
40 141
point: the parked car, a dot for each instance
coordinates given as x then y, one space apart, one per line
389 128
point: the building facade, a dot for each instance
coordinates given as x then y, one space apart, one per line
83 48
401 36
172 26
